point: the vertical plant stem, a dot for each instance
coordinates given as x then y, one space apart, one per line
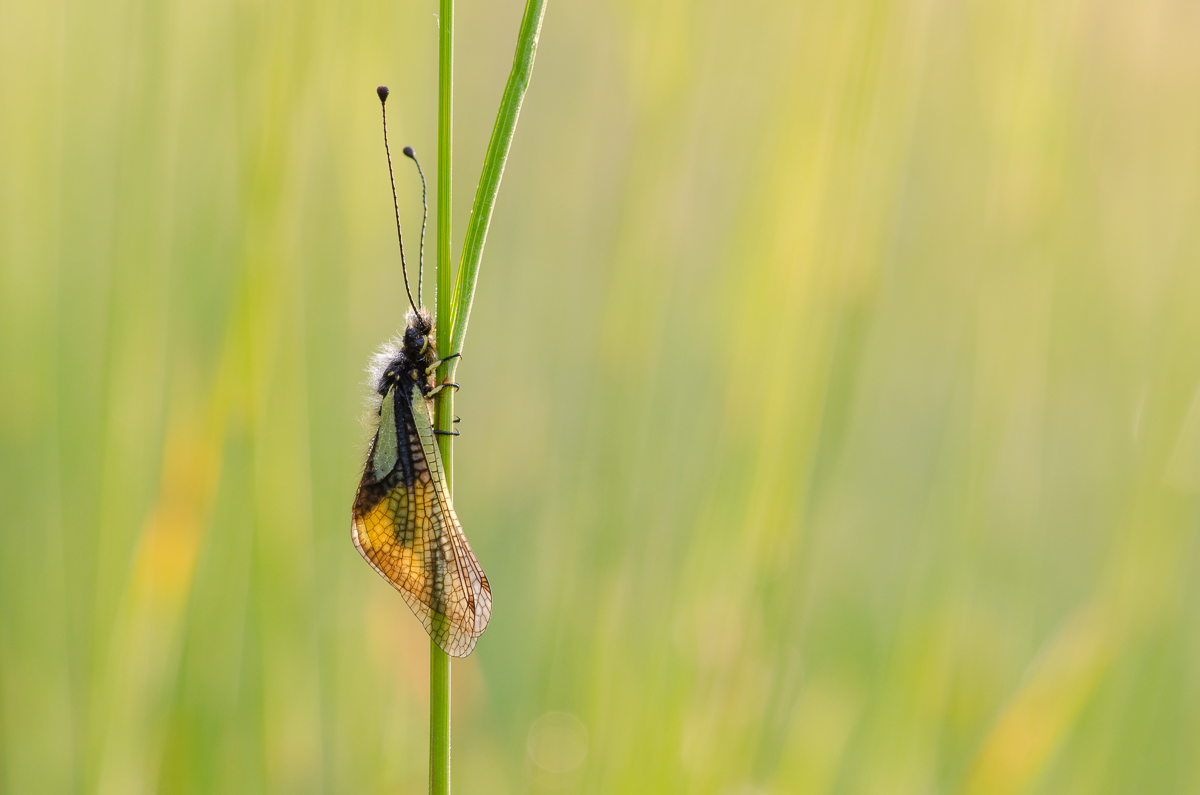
439 661
454 305
439 720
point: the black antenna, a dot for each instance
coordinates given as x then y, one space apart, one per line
382 91
410 154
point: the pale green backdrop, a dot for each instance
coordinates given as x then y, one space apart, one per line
830 409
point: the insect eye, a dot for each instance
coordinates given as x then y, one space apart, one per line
424 343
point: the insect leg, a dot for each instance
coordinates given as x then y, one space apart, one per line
440 362
447 433
440 387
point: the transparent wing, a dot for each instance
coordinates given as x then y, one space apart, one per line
405 526
472 596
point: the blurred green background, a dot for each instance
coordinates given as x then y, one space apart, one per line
830 410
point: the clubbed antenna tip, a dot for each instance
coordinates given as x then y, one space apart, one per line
382 91
411 155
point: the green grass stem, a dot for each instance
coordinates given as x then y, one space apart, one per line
493 170
439 661
455 304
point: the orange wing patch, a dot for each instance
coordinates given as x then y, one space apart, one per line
407 529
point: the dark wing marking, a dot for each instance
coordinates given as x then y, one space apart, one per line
469 584
405 526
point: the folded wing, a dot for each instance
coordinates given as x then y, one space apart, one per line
405 526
